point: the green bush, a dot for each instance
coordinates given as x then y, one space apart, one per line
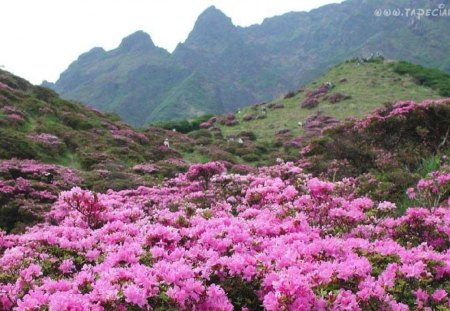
247 135
429 77
251 157
199 120
16 145
182 126
114 180
44 93
12 217
9 214
203 133
76 122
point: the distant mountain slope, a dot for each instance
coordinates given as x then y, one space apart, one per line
358 87
221 67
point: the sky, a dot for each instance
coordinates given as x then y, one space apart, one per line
40 38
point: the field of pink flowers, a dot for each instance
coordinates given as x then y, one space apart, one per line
275 239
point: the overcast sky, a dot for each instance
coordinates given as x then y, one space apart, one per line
40 38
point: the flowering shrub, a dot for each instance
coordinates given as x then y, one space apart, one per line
204 172
390 144
432 190
47 139
145 168
337 97
86 203
27 188
312 97
128 135
275 239
400 110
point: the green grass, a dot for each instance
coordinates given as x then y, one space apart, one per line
370 85
429 165
195 157
70 159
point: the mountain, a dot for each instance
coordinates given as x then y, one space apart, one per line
221 67
134 77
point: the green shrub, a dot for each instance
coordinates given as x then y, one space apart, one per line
76 122
195 123
114 180
9 214
251 157
12 217
247 135
429 77
44 93
16 145
215 154
182 126
203 133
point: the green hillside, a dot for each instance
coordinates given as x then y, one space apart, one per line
35 123
259 134
369 84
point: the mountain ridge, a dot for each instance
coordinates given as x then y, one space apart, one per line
227 67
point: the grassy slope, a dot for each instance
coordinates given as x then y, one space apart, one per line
369 84
90 141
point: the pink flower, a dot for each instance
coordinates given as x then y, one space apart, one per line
319 188
30 273
346 300
421 297
66 266
386 206
216 300
176 244
135 295
439 295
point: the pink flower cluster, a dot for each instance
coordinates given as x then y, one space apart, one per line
312 97
6 87
399 110
86 203
13 114
204 172
32 169
276 239
432 190
32 185
128 135
45 138
146 168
